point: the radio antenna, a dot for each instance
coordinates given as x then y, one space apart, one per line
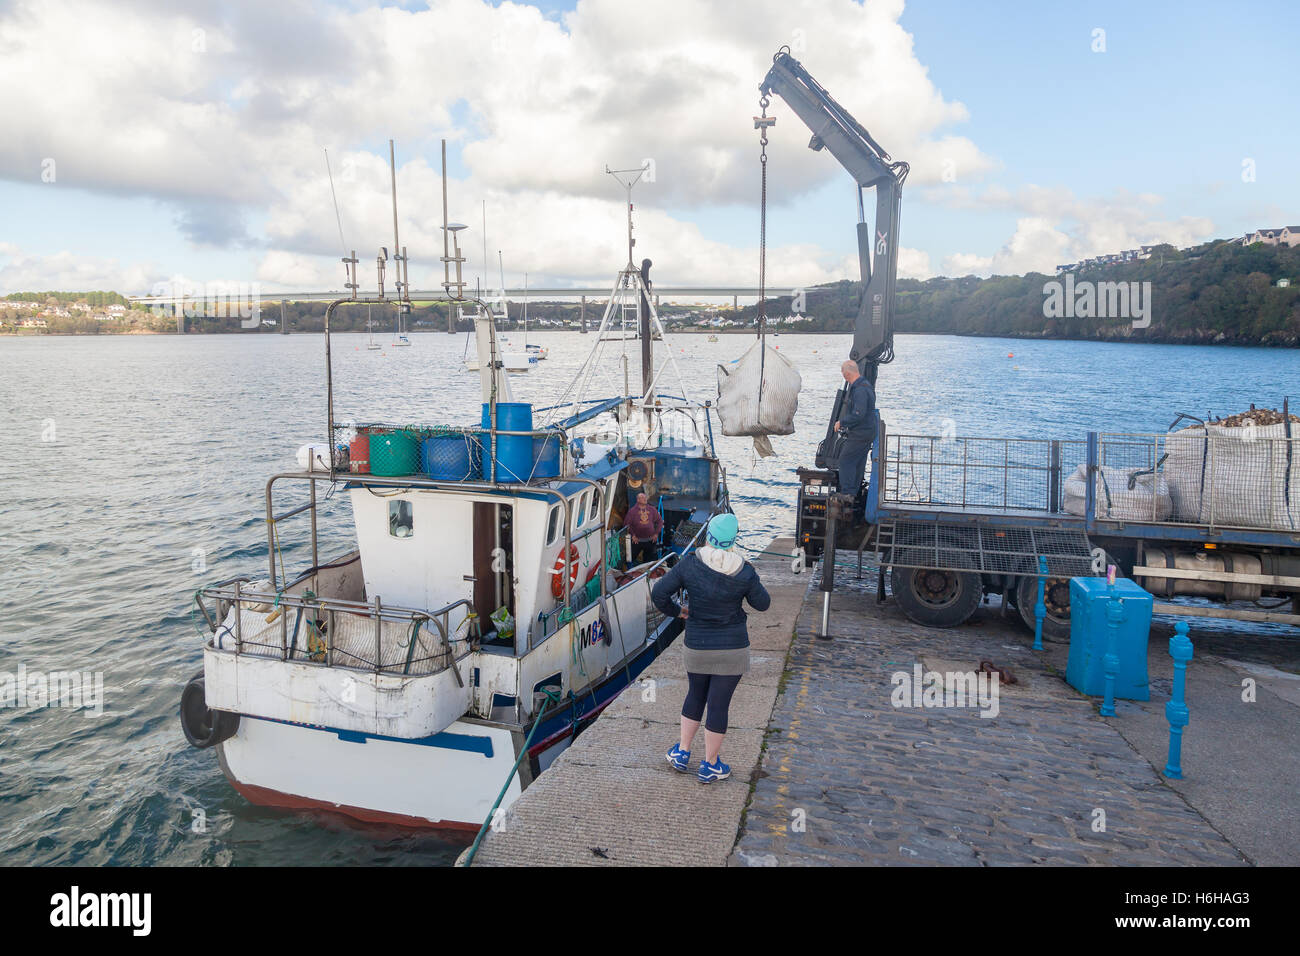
338 216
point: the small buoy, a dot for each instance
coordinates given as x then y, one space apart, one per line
1011 355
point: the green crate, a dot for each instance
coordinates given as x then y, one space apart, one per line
394 453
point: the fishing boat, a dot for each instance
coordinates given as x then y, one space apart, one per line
535 352
484 611
512 359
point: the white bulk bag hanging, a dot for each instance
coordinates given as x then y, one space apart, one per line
759 397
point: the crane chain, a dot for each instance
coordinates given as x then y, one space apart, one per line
761 123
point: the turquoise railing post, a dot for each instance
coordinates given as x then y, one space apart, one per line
1040 609
1180 649
1114 617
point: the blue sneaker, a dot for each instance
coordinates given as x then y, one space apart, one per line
717 770
679 758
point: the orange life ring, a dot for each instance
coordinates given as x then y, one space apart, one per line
557 572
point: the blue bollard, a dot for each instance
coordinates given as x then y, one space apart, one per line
1040 609
1114 617
1180 649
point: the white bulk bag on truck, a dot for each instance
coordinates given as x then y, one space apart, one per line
759 396
1235 475
1147 500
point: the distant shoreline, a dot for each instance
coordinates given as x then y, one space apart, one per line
1216 341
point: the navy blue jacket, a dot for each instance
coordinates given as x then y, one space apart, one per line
716 620
858 414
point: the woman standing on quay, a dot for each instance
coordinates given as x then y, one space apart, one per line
717 581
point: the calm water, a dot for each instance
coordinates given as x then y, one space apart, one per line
135 471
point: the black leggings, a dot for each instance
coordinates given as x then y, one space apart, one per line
714 690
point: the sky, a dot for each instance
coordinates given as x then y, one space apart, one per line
145 141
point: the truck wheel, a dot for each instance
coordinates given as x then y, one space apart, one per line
1056 596
936 598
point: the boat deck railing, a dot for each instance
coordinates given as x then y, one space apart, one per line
332 632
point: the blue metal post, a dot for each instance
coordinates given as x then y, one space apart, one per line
1090 493
1040 609
1114 617
1180 649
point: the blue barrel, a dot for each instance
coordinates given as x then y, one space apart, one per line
514 452
546 457
448 457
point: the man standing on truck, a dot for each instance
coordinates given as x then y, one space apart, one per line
857 424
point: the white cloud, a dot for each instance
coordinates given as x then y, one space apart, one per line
912 264
66 271
222 111
1059 227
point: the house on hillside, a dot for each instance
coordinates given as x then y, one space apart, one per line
1283 236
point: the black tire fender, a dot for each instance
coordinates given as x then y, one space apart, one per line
203 727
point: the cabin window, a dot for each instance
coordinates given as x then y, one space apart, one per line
401 519
581 515
595 505
553 524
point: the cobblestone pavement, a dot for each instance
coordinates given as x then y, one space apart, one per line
848 778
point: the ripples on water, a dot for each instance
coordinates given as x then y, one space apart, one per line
161 447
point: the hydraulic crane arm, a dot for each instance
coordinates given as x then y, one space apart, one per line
833 128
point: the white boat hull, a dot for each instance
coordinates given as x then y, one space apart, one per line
447 781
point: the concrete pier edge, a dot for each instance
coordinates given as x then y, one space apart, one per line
612 798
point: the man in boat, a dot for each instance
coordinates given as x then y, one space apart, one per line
857 423
643 524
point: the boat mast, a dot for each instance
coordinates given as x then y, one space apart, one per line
637 279
401 279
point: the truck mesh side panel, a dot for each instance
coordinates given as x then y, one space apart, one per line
979 473
986 550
